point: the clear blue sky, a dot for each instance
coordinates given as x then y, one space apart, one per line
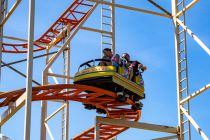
147 38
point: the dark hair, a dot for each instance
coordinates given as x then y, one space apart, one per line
106 49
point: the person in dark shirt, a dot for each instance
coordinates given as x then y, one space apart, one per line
134 68
107 56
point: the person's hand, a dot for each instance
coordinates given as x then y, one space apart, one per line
132 65
140 66
145 68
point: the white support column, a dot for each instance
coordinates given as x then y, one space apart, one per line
180 118
67 121
27 127
197 40
65 113
101 30
113 37
97 130
1 31
113 28
43 108
192 121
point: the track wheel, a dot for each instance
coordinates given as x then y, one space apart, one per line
121 97
100 111
137 106
89 107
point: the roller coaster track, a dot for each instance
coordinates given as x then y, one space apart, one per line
114 109
72 17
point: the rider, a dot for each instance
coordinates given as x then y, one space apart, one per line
131 69
107 56
116 61
125 63
134 73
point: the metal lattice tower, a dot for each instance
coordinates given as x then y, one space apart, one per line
182 71
108 26
65 111
3 12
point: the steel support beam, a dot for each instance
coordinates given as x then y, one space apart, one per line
138 125
23 60
159 7
18 72
12 109
95 30
15 39
97 129
200 43
113 28
67 120
167 138
192 121
27 126
84 20
1 31
187 7
25 41
178 75
195 94
56 112
131 8
18 104
10 13
59 76
66 72
54 78
49 132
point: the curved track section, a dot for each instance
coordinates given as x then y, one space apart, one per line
73 16
100 98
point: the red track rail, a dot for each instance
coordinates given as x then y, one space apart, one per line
78 93
73 16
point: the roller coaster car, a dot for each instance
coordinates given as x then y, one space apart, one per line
106 77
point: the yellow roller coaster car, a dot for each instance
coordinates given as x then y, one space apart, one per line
108 78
